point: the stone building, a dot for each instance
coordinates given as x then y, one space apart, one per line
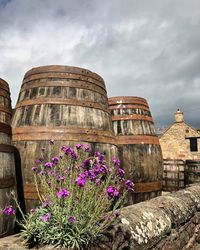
180 140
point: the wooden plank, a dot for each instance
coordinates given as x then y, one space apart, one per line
80 84
61 101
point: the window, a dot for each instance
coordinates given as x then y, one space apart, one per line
193 145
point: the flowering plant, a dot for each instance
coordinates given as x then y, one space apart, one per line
79 196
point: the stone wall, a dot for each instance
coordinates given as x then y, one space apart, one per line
168 222
175 146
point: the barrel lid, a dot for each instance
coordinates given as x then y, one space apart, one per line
63 69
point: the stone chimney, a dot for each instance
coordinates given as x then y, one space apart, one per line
179 116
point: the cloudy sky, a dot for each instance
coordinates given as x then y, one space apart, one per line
146 48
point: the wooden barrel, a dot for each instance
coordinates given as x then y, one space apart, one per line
173 174
66 104
139 148
7 165
192 171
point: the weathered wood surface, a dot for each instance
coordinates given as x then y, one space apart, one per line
173 174
192 172
67 104
7 165
139 147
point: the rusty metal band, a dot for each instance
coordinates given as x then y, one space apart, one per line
5 109
4 93
4 84
63 69
33 133
127 100
75 84
192 171
147 187
137 139
4 128
132 117
128 106
3 87
62 101
5 148
7 182
30 192
120 104
65 76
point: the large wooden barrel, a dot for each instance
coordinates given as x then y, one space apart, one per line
173 175
67 104
192 172
7 165
139 148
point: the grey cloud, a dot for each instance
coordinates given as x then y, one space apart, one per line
141 48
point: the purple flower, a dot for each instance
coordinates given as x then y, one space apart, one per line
58 178
51 142
33 210
72 219
49 164
40 160
103 169
129 184
86 163
63 178
46 204
100 156
80 181
91 175
55 160
79 146
98 182
46 217
112 192
63 193
120 172
9 210
34 168
87 148
115 161
52 172
42 172
117 214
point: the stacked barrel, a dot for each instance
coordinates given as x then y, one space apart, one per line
139 148
7 165
192 172
66 104
173 175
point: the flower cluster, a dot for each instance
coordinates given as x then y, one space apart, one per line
79 195
9 210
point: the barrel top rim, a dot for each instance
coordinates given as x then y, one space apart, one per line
4 82
61 69
126 98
